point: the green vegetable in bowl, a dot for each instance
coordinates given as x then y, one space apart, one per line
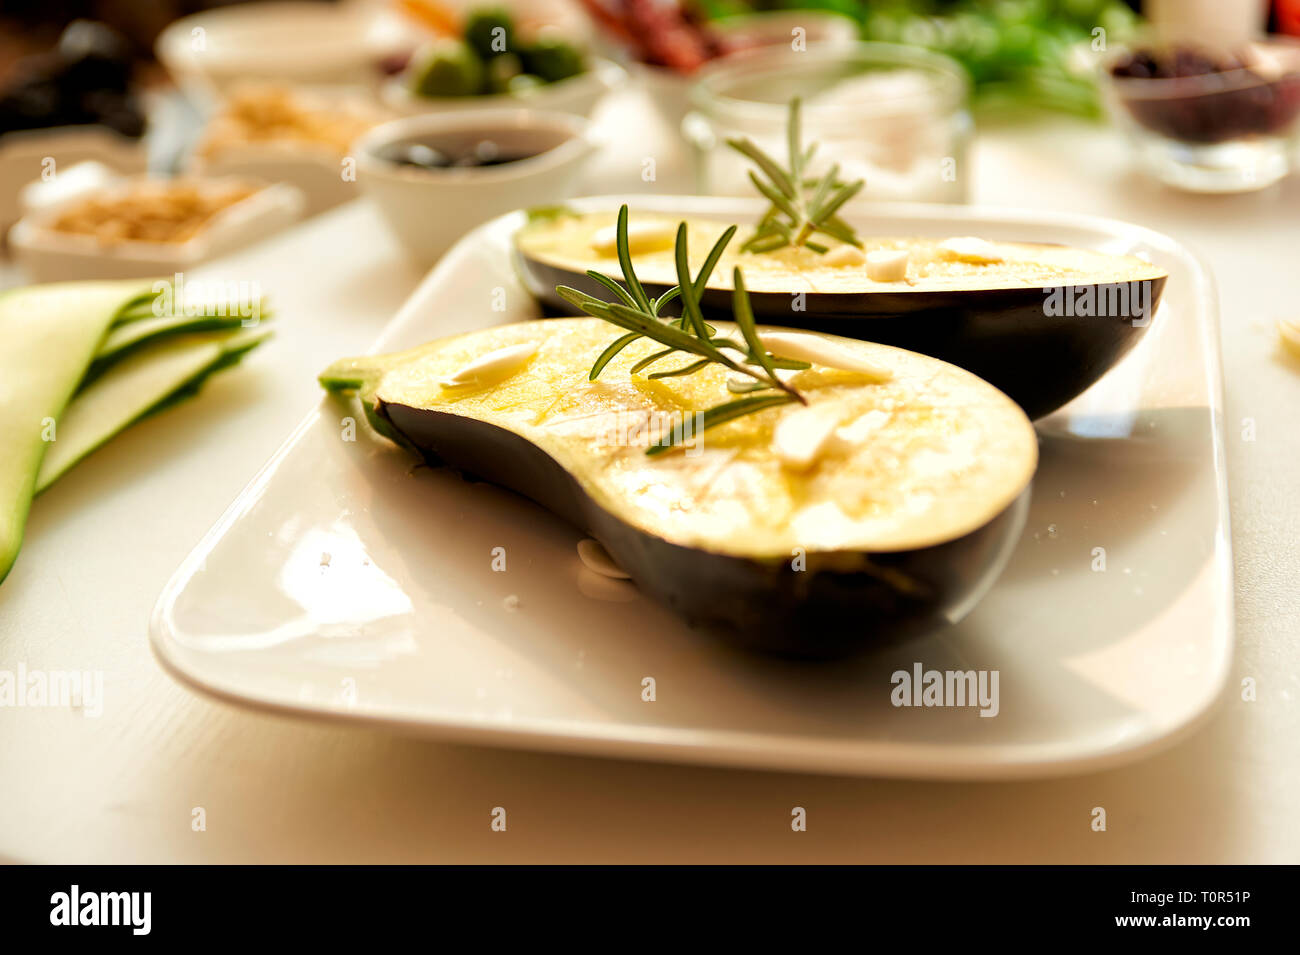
490 32
491 59
448 68
552 59
501 70
524 83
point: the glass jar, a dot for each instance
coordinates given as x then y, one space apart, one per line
894 116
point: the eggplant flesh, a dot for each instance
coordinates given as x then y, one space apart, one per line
1042 323
901 526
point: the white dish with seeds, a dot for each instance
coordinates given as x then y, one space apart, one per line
1110 628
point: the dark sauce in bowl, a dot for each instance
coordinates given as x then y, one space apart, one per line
454 153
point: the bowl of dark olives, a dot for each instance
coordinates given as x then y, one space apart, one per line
1209 119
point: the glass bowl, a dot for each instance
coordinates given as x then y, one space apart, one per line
894 116
1206 118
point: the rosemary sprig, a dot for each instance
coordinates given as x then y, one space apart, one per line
718 414
800 207
634 311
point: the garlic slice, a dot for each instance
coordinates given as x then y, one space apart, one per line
493 367
801 436
969 248
843 255
858 430
819 351
1290 332
887 265
641 237
597 560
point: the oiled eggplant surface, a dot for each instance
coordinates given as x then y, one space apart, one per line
1042 323
900 523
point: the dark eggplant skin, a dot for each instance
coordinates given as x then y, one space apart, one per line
841 603
1042 362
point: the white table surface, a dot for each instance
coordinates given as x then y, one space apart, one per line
101 544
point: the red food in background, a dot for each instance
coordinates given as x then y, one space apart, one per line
1287 13
660 32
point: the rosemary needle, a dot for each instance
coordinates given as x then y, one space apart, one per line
800 208
634 311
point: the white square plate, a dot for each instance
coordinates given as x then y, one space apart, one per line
347 583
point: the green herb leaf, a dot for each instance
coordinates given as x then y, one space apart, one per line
823 189
769 244
788 364
658 304
793 136
719 414
689 294
638 316
690 369
745 322
663 332
625 263
841 197
613 286
711 261
744 316
608 354
780 178
794 216
837 230
774 197
576 296
649 360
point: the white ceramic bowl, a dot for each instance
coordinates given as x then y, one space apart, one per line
429 209
318 169
50 256
577 94
293 43
317 173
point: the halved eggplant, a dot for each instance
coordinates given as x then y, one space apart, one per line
897 521
1040 322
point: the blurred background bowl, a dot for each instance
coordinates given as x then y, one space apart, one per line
576 94
43 153
1204 115
290 43
300 135
429 209
47 254
894 116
